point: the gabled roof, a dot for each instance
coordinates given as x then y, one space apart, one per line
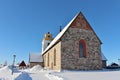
91 28
35 57
57 38
22 64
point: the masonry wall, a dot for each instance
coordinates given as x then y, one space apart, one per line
49 58
36 63
70 50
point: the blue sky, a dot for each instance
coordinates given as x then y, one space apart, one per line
23 24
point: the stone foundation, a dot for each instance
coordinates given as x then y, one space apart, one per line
36 63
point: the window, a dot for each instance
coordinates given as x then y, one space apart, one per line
45 60
48 36
54 57
82 49
48 44
48 59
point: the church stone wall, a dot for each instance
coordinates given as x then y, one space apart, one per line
49 58
70 50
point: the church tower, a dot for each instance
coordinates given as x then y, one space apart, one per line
46 41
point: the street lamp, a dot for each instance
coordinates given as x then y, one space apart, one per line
14 56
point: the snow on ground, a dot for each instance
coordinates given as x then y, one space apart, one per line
38 76
53 77
23 76
89 75
6 73
36 68
38 73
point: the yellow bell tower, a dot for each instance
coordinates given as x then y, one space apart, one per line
46 41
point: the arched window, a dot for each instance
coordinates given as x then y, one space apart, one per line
48 59
82 49
54 57
45 60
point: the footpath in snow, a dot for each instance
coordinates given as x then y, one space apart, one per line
37 73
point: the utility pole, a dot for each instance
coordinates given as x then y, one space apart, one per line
14 56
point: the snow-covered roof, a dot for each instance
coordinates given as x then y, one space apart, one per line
59 35
103 57
35 57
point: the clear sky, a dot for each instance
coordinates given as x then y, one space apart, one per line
23 24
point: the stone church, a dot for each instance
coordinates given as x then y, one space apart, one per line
76 47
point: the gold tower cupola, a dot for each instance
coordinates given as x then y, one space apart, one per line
46 41
48 36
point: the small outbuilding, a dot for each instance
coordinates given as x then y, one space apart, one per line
114 65
22 65
35 59
104 61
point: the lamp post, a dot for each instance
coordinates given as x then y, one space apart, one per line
14 56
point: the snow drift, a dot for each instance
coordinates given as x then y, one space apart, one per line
5 73
6 69
54 77
36 68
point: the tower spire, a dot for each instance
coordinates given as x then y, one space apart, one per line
60 29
